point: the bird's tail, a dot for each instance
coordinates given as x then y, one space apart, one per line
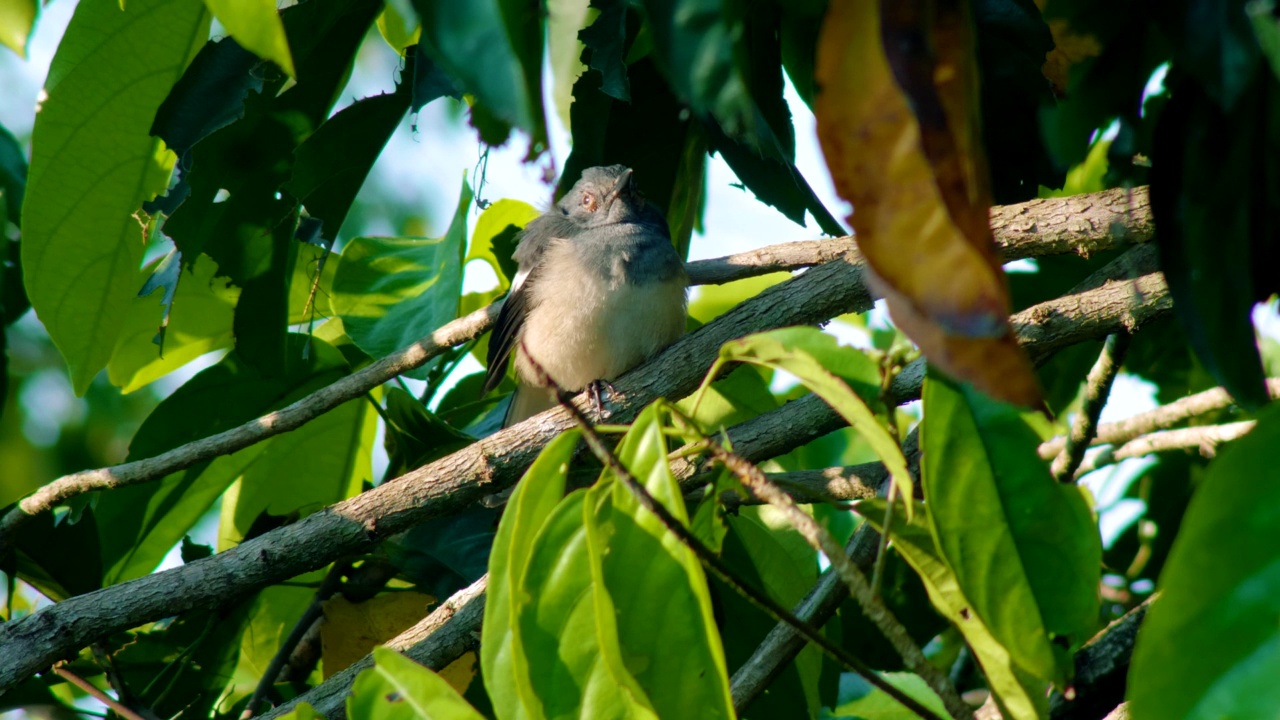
526 402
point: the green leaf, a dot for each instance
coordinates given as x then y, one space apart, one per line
737 397
1214 238
330 166
492 239
827 369
17 17
399 25
607 38
300 472
397 688
565 19
1019 695
142 522
567 626
415 436
60 559
93 165
1214 42
1024 548
1267 30
1210 646
13 175
875 704
391 292
664 612
200 322
493 49
503 660
767 553
256 26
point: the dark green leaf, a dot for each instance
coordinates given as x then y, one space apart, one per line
60 559
1214 42
607 38
261 321
142 522
256 26
13 176
430 81
415 435
1209 646
1025 549
208 97
391 292
493 50
1215 237
80 247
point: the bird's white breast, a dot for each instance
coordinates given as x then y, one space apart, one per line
583 326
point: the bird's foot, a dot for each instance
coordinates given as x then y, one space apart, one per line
597 391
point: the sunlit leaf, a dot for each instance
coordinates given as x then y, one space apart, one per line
200 322
1024 548
17 17
1209 647
843 376
397 688
94 162
901 138
502 655
399 25
1019 695
492 239
256 26
391 292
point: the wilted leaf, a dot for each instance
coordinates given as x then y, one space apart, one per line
81 245
1210 646
906 152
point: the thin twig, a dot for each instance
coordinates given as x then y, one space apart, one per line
712 561
97 694
332 582
859 587
1161 418
1096 391
1204 438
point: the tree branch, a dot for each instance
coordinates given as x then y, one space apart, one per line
1081 224
1205 438
495 463
1097 389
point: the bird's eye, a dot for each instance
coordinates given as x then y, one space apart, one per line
589 202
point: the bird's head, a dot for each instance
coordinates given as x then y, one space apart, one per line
605 196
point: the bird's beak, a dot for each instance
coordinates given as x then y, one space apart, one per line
619 187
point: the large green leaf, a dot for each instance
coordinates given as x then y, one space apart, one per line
391 292
200 322
565 628
94 163
1020 696
493 50
842 376
256 26
504 663
1025 549
657 587
140 523
397 688
1210 646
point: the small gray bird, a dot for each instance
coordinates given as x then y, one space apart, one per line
599 290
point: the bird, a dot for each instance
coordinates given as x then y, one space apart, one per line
599 289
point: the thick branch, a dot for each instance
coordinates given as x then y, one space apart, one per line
493 464
1080 224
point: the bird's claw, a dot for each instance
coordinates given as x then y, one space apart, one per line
596 391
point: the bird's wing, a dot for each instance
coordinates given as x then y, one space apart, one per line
534 240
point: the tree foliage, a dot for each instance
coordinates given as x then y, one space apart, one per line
191 185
